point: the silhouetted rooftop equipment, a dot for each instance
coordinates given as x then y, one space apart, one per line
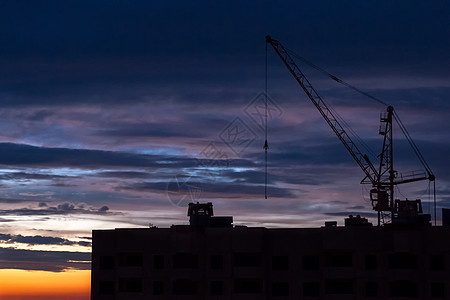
356 221
410 212
446 217
330 223
202 215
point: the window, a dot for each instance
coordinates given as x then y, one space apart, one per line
107 262
370 262
247 260
403 288
158 262
185 260
185 287
106 287
437 262
216 261
216 288
247 286
280 263
158 287
130 259
311 262
437 290
339 286
311 289
340 260
130 285
402 260
280 289
371 289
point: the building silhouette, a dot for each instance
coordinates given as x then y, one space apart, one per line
212 259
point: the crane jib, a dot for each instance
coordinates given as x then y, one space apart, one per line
384 178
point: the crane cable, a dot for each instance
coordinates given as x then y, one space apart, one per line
342 121
266 145
396 116
413 144
336 78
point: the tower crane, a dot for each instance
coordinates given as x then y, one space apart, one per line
382 177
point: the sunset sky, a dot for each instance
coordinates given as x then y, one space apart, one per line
118 113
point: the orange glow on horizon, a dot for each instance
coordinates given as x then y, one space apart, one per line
36 285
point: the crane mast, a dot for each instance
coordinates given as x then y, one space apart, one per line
382 179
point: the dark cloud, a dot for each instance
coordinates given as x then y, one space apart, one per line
353 213
357 207
19 155
275 175
105 53
124 174
60 209
153 130
39 240
3 220
185 185
16 200
53 261
30 176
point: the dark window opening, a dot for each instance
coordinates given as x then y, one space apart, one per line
130 285
107 262
403 288
341 260
216 288
437 262
158 262
402 260
185 260
130 259
247 260
370 262
106 287
371 289
158 287
247 286
311 289
185 287
216 261
437 290
280 263
311 262
280 289
339 286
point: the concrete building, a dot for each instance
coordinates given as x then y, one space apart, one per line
211 259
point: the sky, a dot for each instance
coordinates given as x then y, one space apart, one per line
119 113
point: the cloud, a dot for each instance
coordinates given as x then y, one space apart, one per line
26 155
32 156
61 209
39 240
185 186
30 176
53 261
125 174
15 200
